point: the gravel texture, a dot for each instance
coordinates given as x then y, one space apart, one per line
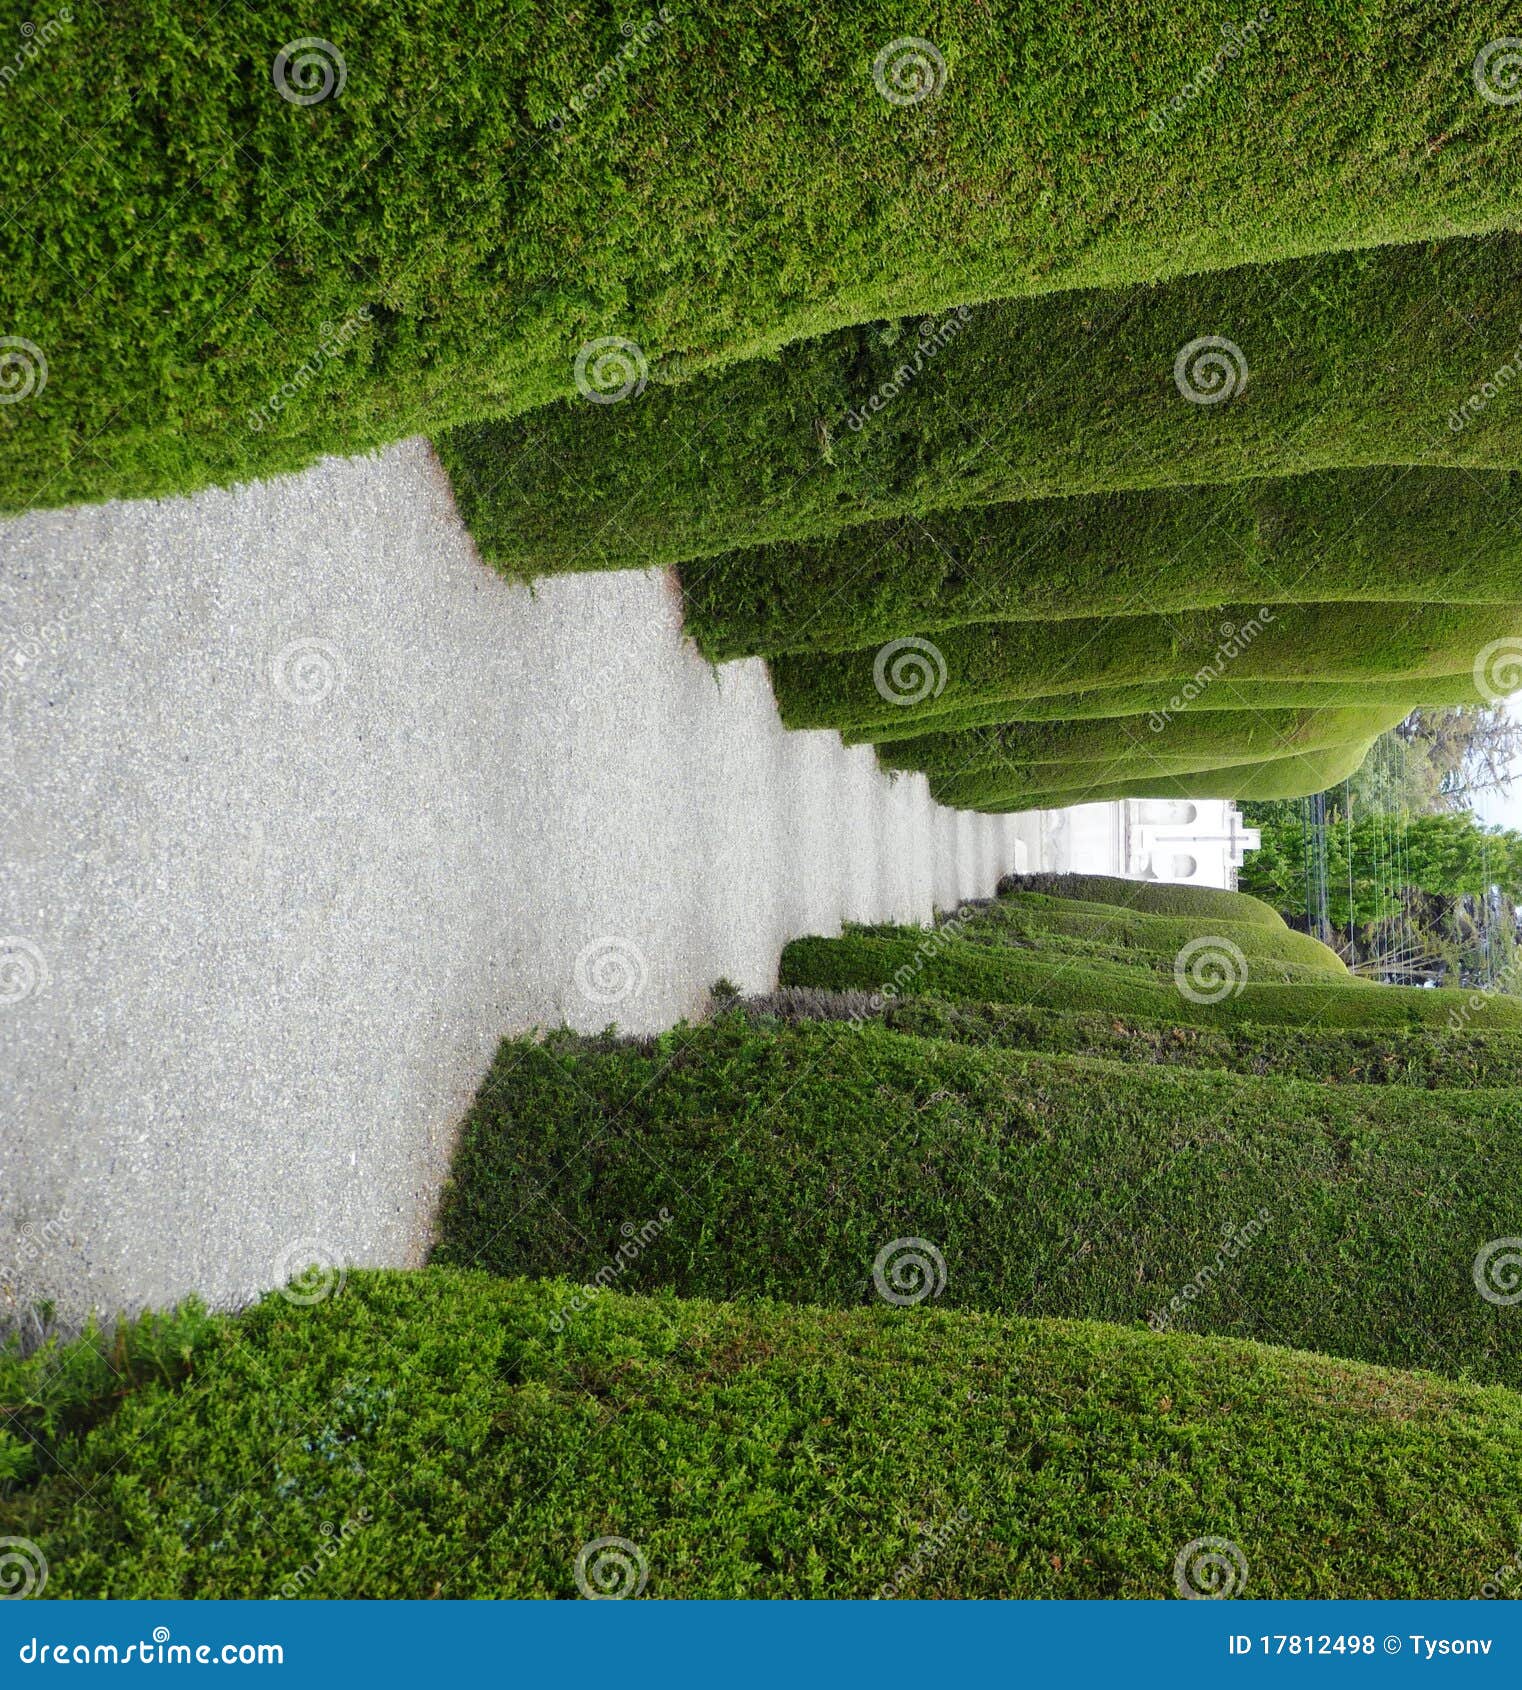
303 808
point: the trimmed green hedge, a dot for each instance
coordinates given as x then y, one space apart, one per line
1148 897
1294 775
1164 698
432 1435
947 967
779 1163
1353 360
1225 736
1387 534
1031 919
729 180
995 661
1376 1057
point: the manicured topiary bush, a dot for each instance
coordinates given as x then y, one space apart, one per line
421 219
946 967
1423 535
1032 919
448 1435
1148 897
1333 362
994 661
1432 1059
1167 700
1293 775
1367 1202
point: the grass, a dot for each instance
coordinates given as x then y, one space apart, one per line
1429 1059
1225 736
456 1444
780 1161
1388 534
946 967
1354 360
734 185
994 661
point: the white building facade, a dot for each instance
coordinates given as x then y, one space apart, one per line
1183 841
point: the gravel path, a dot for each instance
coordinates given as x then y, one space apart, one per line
303 808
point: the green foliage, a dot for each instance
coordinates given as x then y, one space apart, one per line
1148 897
1354 360
1052 924
734 185
1370 1201
458 1444
946 967
1388 534
52 1392
1431 1059
1447 854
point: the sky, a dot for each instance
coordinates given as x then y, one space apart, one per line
1504 809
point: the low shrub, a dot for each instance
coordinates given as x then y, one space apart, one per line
435 1435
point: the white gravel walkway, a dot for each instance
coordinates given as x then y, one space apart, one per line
303 808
